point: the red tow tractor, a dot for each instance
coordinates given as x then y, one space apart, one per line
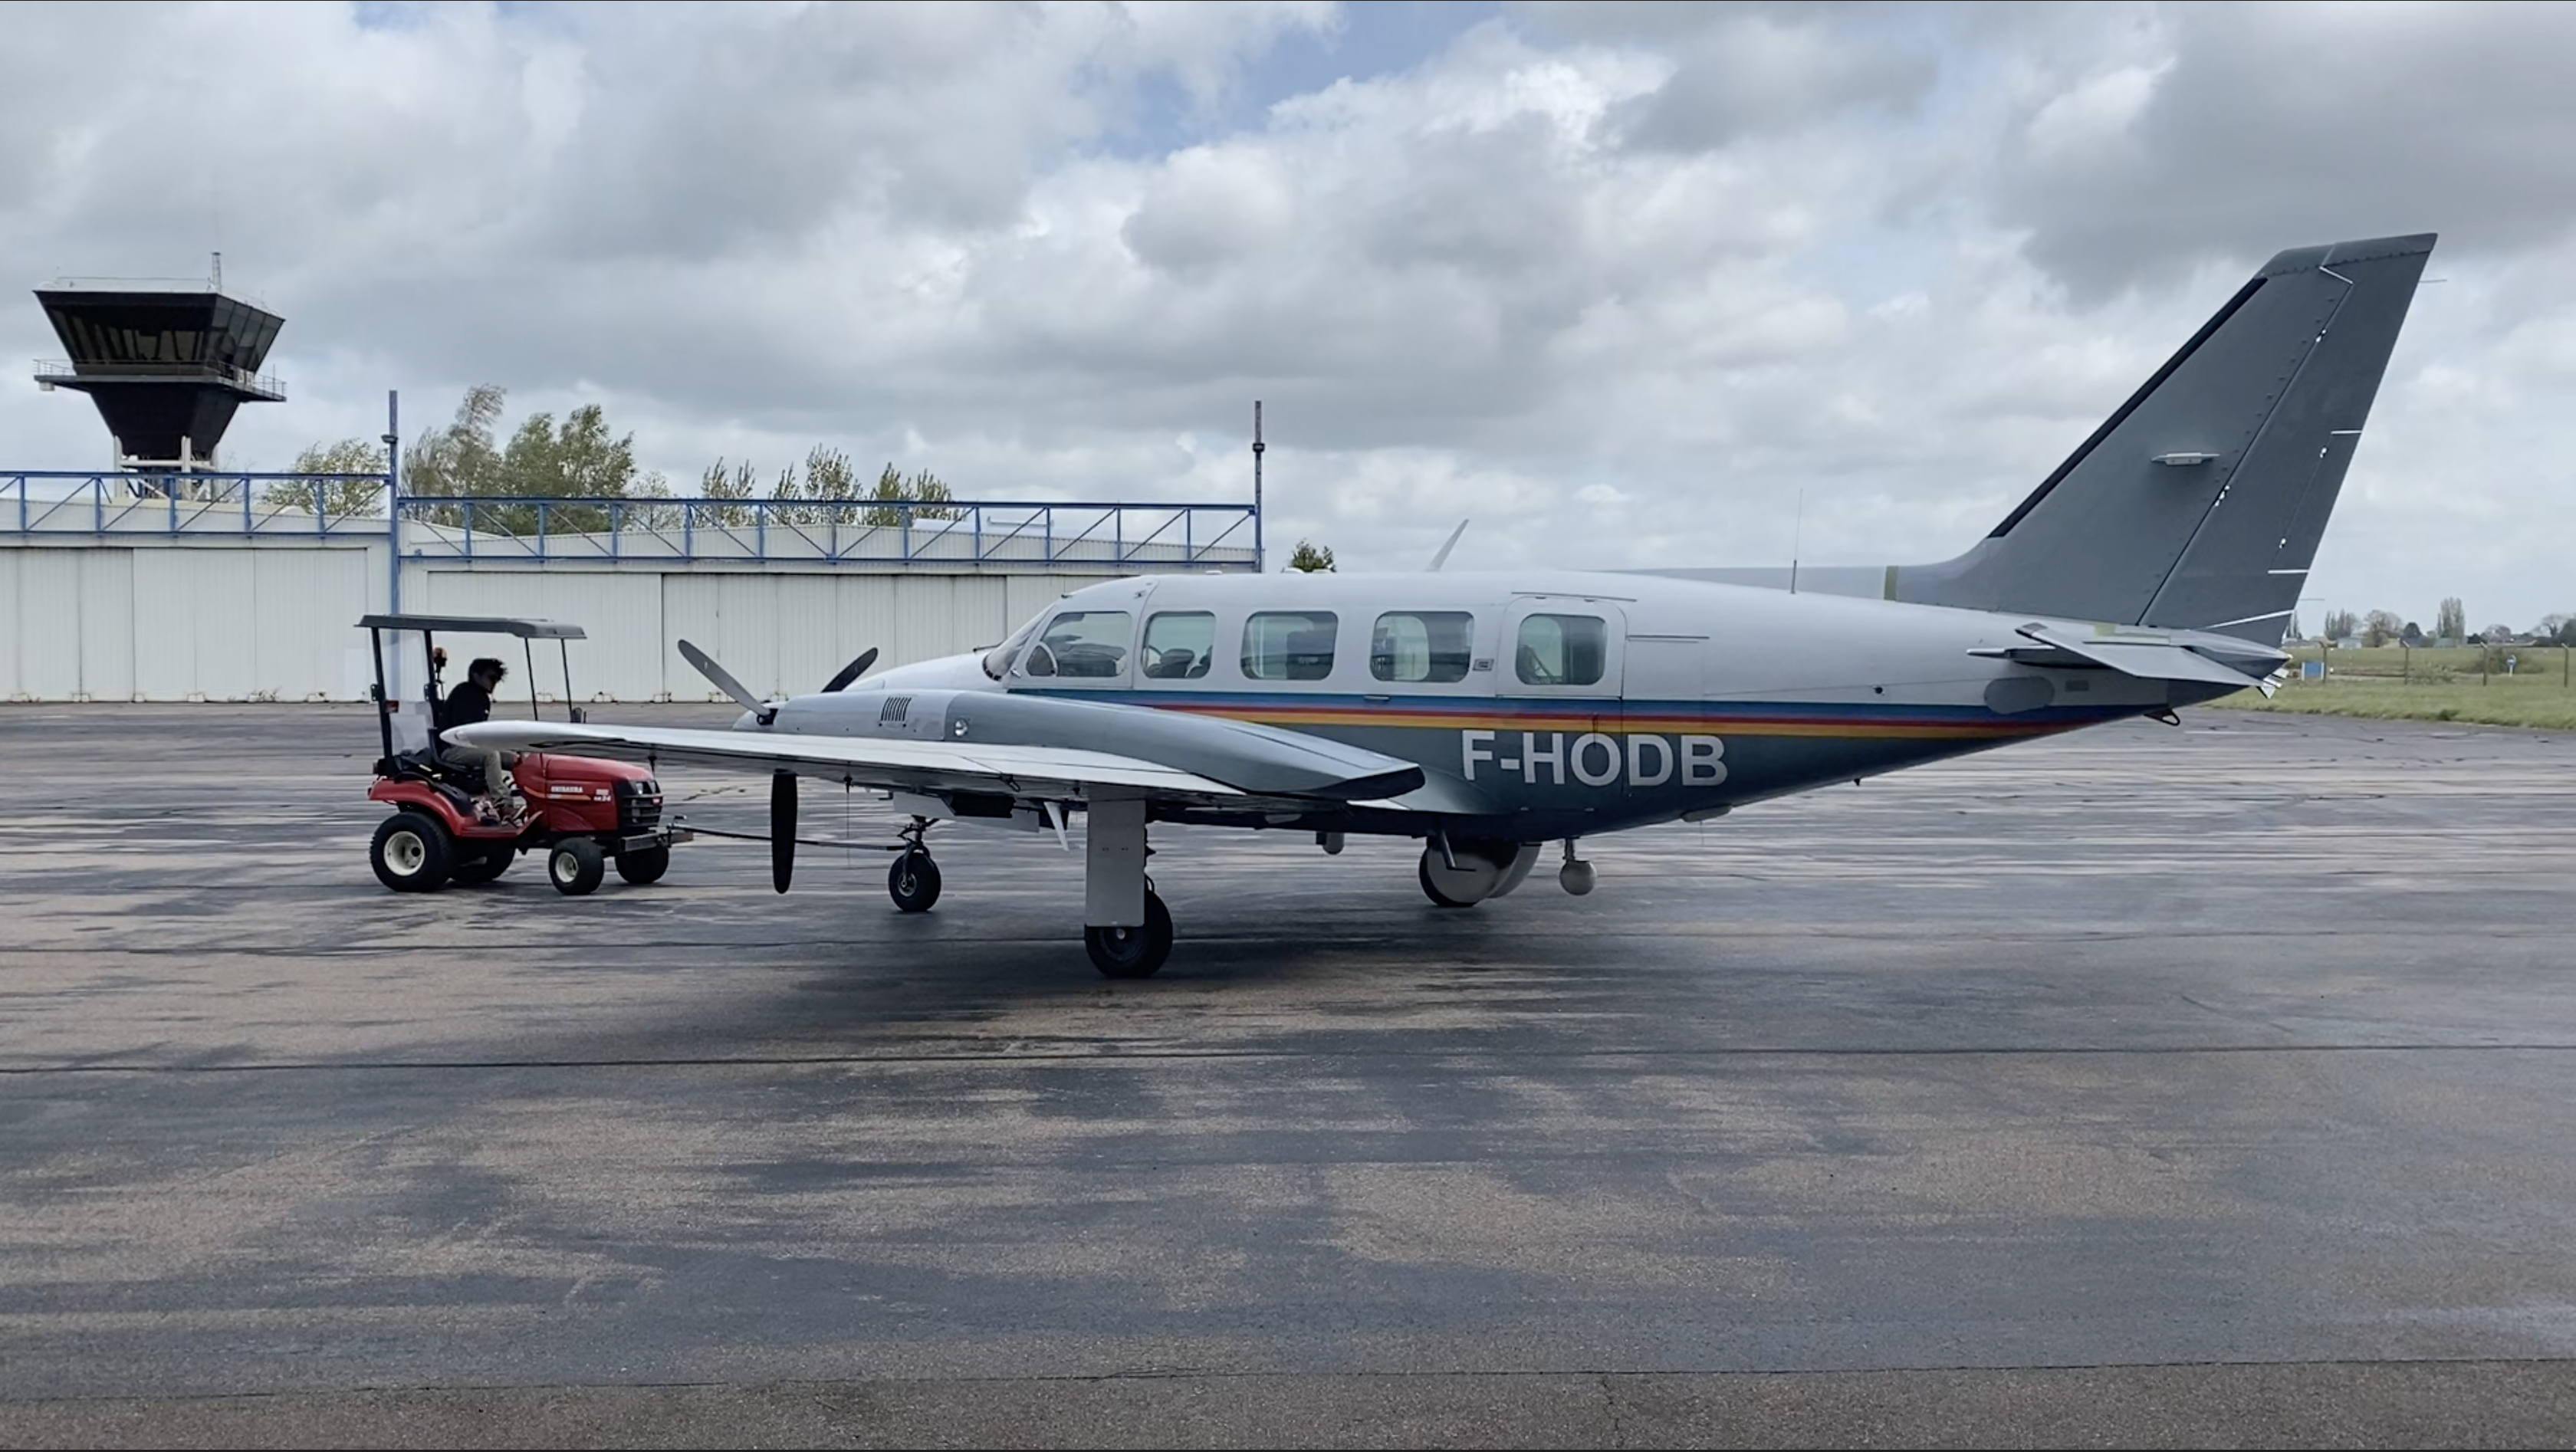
582 812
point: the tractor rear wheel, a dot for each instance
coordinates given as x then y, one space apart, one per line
412 853
575 865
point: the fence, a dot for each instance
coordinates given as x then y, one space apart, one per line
649 531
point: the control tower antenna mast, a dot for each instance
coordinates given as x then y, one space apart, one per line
1257 446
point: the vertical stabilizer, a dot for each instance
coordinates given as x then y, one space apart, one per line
2199 504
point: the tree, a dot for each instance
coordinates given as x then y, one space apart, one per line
578 459
339 498
922 486
2380 627
2558 626
463 458
2413 634
719 483
2339 624
2451 622
2294 633
1311 558
826 490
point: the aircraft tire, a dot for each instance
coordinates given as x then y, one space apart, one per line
1132 952
491 864
411 853
575 865
1481 869
913 881
645 865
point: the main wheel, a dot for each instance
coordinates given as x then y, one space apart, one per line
644 864
1132 952
412 852
575 865
1478 875
490 864
913 881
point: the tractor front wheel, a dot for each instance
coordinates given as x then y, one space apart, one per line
575 865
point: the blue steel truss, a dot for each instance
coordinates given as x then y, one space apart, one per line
582 531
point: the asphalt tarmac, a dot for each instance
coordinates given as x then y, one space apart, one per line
2147 1086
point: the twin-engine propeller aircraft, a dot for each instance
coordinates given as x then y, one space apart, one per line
1490 714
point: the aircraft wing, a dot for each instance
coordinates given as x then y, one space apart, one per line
940 741
910 765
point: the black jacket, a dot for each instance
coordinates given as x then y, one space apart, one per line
466 705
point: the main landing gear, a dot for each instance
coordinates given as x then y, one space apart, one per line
1126 929
1460 873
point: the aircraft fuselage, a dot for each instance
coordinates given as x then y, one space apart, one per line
1546 704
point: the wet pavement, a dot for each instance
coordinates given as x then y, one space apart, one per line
2146 1085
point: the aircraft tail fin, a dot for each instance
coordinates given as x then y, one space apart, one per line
2199 504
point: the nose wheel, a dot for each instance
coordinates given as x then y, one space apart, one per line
913 881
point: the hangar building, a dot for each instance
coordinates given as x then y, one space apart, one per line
168 579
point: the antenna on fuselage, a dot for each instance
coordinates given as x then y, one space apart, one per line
1797 537
1442 558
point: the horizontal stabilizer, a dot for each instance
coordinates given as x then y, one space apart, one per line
2157 656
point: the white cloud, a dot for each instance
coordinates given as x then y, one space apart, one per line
1618 282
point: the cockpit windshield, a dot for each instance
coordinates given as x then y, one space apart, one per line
998 659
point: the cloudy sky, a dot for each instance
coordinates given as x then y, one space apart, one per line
1618 281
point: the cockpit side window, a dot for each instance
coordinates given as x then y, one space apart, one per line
1561 650
1081 645
1180 645
1422 646
1289 645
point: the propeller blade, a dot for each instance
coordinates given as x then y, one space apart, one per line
852 671
782 828
724 681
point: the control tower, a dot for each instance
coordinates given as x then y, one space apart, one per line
166 362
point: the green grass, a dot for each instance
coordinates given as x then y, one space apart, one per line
2391 684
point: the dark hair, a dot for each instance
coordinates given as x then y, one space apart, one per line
487 665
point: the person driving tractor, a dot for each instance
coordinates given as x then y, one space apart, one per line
469 703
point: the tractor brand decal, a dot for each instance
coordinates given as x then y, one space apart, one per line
1594 759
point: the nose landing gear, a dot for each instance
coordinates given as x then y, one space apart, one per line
913 880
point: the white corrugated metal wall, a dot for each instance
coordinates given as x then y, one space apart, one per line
188 621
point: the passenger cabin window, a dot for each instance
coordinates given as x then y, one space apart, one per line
1561 650
1289 645
1081 645
1422 646
1180 645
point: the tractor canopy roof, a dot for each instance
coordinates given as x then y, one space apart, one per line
475 625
